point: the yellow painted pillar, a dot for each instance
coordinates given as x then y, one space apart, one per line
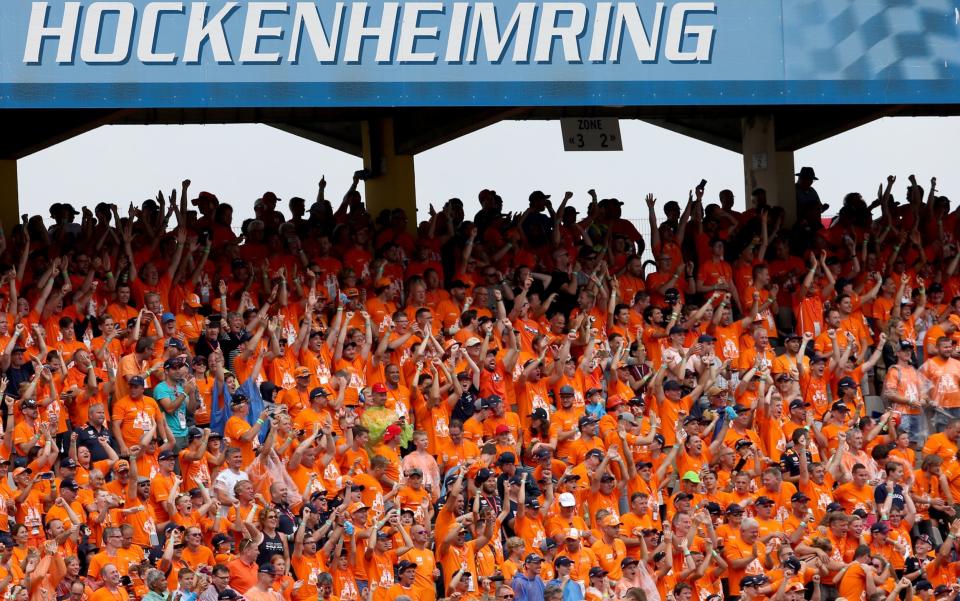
766 167
392 184
9 195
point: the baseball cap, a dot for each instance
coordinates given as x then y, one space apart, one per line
567 500
906 345
379 388
136 381
586 420
562 561
614 401
68 463
799 497
734 508
611 520
567 391
539 413
795 403
597 572
672 385
194 433
840 406
572 534
507 457
228 594
483 474
29 404
501 429
167 317
392 431
192 300
318 391
266 569
22 470
301 372
472 341
678 330
164 455
404 565
533 558
627 561
705 338
846 382
69 483
763 500
691 476
594 453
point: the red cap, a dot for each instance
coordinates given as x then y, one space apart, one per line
502 429
392 431
614 401
379 388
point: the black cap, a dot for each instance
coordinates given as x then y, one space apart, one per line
705 338
28 404
764 500
562 561
586 420
793 563
672 385
164 455
799 497
840 406
266 569
713 508
318 391
507 457
404 565
678 330
734 508
194 433
67 463
795 403
238 398
533 558
846 382
539 413
173 363
627 561
594 453
906 345
69 483
597 572
922 585
483 474
228 594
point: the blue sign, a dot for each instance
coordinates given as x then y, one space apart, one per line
164 53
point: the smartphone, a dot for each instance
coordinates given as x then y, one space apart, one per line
702 185
46 476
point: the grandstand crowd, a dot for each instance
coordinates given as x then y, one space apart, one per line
318 404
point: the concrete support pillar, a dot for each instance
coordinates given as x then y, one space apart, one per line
392 184
9 194
766 167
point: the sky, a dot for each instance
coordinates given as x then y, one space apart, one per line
124 163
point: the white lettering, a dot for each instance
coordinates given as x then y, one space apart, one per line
410 31
601 26
148 33
93 27
703 34
458 21
358 30
38 30
568 35
645 46
324 47
520 26
254 31
199 31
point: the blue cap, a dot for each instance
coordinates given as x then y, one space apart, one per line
167 317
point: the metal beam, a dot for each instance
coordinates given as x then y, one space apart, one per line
352 145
